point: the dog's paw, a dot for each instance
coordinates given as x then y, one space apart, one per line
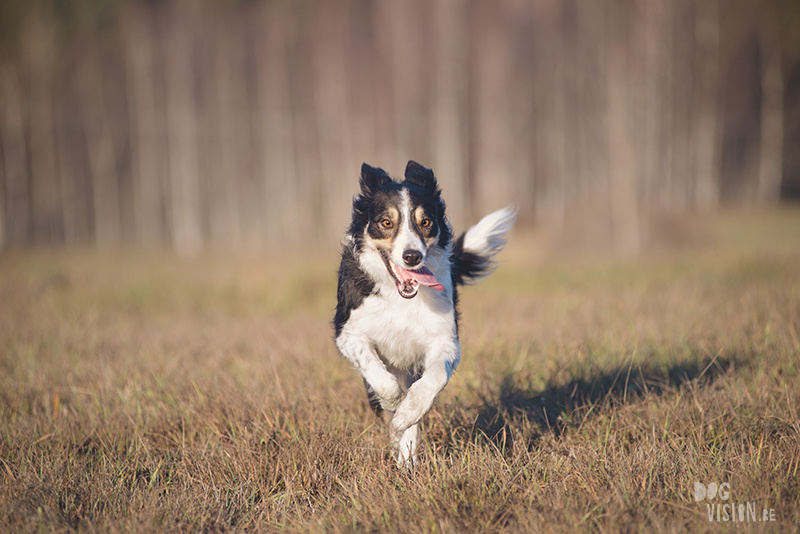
403 419
390 394
407 414
407 447
415 405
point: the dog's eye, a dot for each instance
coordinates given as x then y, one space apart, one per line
425 223
386 223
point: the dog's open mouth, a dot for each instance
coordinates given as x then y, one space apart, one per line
408 281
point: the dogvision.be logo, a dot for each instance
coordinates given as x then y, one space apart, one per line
746 512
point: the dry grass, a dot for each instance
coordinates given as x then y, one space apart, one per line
140 392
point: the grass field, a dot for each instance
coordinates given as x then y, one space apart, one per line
140 392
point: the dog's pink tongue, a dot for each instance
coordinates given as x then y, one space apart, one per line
423 275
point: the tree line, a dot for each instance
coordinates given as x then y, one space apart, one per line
243 124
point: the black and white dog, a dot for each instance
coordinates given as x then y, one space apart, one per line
396 317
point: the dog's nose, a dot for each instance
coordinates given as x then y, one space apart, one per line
412 257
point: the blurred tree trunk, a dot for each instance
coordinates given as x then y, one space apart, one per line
450 19
2 196
522 106
251 194
184 182
552 179
364 91
679 190
232 107
770 163
146 109
653 70
277 149
16 180
303 114
571 104
333 124
405 22
225 131
382 84
493 142
666 98
38 47
74 170
622 135
706 139
2 188
642 123
6 145
589 209
94 118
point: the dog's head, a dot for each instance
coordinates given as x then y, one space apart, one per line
404 223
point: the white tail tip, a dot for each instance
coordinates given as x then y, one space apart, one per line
488 237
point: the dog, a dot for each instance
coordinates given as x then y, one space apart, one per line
396 318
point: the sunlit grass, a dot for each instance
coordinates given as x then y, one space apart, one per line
141 392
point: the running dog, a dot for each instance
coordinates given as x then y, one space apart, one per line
396 319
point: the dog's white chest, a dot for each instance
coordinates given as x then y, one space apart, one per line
402 330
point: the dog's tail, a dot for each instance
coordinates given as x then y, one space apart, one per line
474 250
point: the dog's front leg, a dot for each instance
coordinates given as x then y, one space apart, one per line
440 363
407 446
359 351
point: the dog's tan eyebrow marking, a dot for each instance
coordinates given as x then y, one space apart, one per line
420 214
391 213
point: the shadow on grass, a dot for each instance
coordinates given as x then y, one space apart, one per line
561 406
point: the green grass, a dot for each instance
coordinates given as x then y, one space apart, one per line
140 392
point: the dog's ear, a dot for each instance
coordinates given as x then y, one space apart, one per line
372 178
422 176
